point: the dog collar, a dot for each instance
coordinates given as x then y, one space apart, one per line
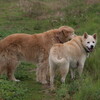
86 50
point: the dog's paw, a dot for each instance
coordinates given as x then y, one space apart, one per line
52 89
16 80
44 82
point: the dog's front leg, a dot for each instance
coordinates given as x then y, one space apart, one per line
80 69
72 73
42 72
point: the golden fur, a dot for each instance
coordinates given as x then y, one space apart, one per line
31 48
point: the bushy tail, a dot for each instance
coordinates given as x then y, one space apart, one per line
57 60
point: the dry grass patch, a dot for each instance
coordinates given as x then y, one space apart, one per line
42 9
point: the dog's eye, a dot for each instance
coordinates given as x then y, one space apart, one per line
93 41
88 42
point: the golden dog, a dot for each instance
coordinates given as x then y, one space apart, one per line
31 48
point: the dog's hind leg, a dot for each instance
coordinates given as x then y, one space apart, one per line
52 75
2 69
37 75
11 67
64 69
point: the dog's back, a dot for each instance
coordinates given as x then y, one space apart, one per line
69 50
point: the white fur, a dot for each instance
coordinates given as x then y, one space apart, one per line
70 55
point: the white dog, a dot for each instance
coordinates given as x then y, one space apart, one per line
71 55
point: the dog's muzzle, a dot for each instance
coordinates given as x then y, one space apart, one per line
90 49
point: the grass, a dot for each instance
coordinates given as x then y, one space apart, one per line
81 15
27 89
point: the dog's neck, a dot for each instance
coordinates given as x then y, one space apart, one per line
81 46
58 40
86 50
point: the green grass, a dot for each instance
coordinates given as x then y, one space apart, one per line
90 90
27 89
75 13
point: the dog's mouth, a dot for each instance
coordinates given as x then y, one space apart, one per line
89 49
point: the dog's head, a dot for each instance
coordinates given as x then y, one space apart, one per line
89 41
65 34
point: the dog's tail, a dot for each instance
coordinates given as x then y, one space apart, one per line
56 60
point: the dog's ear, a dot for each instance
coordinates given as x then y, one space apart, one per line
59 37
95 36
63 33
66 30
85 35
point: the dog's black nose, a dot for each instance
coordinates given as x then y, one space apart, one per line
92 46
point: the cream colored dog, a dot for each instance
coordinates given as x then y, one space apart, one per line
71 55
31 48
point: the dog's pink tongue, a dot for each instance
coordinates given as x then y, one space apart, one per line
91 49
